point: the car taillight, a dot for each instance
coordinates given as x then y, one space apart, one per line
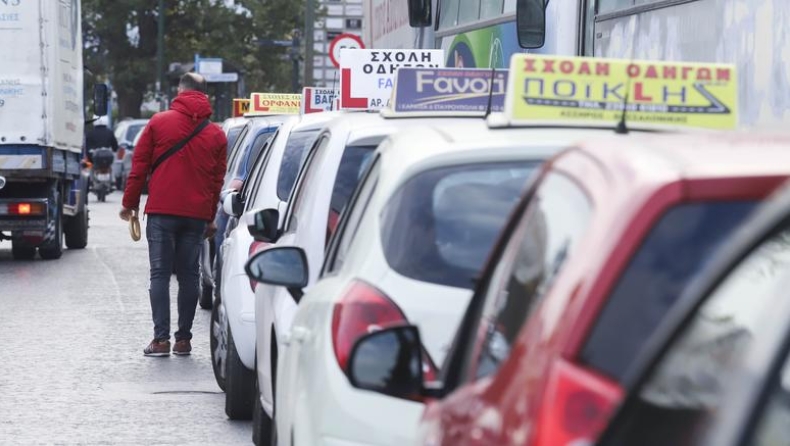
256 247
23 209
576 407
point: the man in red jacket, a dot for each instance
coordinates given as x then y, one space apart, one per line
183 192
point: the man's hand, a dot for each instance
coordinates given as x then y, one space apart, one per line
125 214
211 229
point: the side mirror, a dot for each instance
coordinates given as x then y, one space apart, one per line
264 225
282 266
388 362
419 13
531 23
232 205
100 94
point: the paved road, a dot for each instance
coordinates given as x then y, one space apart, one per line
73 371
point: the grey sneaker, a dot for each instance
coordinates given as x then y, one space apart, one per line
157 348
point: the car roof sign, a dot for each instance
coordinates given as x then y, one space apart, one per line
263 104
240 107
452 91
583 89
317 100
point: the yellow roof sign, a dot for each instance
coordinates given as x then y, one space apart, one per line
274 104
240 107
595 89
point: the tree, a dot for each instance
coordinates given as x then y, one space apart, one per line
120 41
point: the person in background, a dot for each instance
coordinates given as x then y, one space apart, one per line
183 192
100 136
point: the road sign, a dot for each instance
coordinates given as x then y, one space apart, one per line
222 77
346 40
208 66
367 76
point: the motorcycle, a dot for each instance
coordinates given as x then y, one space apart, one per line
101 175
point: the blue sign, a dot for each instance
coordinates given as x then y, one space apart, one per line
459 90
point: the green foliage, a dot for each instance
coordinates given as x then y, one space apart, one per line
211 28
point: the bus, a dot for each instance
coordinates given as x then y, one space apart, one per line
752 34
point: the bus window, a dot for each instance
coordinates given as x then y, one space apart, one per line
491 8
469 11
605 6
448 14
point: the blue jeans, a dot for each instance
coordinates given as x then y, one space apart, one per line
174 241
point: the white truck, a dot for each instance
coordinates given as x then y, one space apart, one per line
43 189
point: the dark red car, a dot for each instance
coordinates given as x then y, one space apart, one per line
594 257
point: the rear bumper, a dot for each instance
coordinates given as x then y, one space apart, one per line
13 222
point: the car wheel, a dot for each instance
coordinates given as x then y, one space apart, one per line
218 341
239 385
261 422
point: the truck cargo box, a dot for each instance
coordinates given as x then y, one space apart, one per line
41 79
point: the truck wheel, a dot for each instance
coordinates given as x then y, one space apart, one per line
23 252
76 230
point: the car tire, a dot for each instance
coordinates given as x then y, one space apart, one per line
239 385
76 230
206 297
261 422
218 342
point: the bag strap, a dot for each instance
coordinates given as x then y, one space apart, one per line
172 151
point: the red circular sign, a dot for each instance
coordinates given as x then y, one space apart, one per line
345 40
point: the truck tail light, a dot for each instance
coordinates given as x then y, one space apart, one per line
362 310
576 407
23 209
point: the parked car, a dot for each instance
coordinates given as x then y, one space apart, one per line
232 128
593 259
716 371
409 246
249 143
269 184
126 132
334 165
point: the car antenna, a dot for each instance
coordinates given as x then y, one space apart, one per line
334 90
491 85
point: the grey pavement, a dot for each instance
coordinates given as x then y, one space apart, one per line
72 333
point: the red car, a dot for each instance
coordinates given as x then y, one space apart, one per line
596 254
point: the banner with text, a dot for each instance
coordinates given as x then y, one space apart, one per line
275 104
458 90
367 76
650 92
317 100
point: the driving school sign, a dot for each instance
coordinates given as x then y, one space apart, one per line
275 104
652 92
240 107
458 90
316 100
367 76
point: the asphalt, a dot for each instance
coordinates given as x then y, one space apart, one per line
72 333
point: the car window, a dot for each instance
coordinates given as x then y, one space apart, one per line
349 221
553 224
773 423
307 175
441 224
293 156
683 392
352 166
676 248
133 130
249 191
233 153
245 166
233 134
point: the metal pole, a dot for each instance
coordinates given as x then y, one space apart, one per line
295 49
309 26
160 57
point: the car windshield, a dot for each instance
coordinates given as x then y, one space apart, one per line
293 157
233 133
133 130
248 158
440 225
678 247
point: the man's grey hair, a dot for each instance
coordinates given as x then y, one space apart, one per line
193 81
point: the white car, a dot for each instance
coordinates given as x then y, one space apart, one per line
325 184
407 251
126 133
268 185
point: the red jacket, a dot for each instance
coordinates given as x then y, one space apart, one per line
188 183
